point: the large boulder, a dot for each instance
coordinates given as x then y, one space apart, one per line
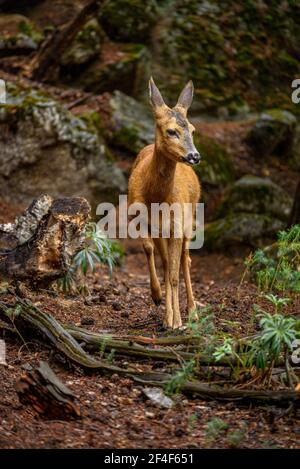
216 167
241 229
128 20
221 46
122 67
272 133
252 194
45 149
128 124
85 47
18 35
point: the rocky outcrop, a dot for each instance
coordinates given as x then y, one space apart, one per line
18 35
252 212
128 124
85 47
45 149
216 167
252 194
128 20
118 66
272 133
241 229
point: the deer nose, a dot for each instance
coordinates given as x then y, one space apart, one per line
193 157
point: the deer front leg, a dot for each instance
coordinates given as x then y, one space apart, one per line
154 282
162 247
186 266
175 248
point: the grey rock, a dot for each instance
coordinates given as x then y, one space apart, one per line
158 398
45 149
252 194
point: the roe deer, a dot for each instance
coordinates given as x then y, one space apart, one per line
163 173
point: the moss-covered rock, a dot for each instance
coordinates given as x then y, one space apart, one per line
216 166
18 33
85 47
236 52
128 20
241 228
128 124
45 149
121 67
294 157
272 133
252 194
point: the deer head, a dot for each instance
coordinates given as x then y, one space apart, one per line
174 133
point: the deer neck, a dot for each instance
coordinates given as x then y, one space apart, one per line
161 182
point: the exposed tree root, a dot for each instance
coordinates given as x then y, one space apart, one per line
26 315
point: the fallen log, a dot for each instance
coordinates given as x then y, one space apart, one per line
43 240
62 341
46 394
127 346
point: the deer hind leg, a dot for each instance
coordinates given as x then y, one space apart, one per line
154 282
175 248
162 247
186 266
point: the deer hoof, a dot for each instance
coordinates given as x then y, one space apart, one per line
157 301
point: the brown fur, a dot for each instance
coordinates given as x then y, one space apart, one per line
159 175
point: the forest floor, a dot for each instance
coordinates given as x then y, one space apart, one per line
115 412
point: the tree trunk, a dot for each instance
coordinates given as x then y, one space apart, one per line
43 240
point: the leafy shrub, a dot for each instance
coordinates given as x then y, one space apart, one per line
278 267
97 250
276 337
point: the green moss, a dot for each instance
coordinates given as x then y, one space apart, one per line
216 166
85 46
28 29
128 20
252 194
242 228
228 49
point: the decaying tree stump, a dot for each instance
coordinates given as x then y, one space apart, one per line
43 240
48 396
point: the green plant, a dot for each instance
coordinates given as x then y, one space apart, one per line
236 437
215 427
277 266
175 383
193 419
273 342
201 325
224 350
97 250
277 302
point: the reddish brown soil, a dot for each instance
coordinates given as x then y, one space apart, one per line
115 413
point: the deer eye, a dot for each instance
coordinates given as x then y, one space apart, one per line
172 133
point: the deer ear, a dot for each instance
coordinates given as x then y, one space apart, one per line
186 97
155 97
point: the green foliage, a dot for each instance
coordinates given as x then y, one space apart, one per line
278 268
97 250
276 337
28 29
236 437
201 325
224 350
215 428
176 382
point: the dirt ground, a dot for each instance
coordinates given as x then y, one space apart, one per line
115 412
